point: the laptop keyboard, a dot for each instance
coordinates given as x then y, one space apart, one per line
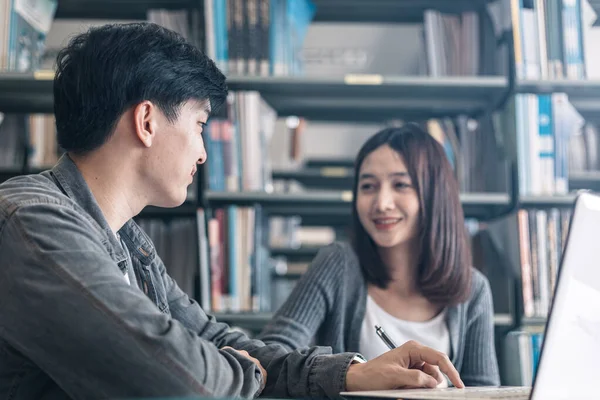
471 393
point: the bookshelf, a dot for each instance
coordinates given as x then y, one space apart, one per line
115 9
585 180
338 178
359 98
291 276
548 201
349 98
250 321
341 178
26 92
316 199
324 208
388 11
300 253
337 203
374 98
327 163
534 321
584 95
574 88
384 11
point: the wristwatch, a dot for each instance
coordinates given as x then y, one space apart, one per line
358 359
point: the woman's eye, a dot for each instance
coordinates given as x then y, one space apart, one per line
366 186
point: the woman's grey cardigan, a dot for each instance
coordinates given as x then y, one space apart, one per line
327 308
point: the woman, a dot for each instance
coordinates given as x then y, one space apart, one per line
408 269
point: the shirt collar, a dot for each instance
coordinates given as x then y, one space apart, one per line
75 187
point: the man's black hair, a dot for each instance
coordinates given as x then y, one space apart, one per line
106 70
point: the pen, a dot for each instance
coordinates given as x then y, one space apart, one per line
386 339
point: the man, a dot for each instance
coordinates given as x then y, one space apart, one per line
87 309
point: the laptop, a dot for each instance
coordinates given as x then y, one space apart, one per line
569 366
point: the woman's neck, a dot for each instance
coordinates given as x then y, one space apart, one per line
402 262
403 298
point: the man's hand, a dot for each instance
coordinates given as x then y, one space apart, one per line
434 371
411 365
254 360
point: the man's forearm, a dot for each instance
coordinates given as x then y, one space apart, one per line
305 372
310 372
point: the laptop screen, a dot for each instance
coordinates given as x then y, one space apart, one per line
569 365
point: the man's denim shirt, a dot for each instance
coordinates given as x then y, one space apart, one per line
71 326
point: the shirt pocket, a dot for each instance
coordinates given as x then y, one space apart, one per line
150 282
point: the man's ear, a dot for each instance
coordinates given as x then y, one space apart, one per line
145 116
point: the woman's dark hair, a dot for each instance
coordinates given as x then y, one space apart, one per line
444 271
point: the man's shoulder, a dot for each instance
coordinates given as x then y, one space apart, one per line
30 191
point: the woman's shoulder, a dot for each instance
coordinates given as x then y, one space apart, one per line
338 247
479 281
481 291
338 255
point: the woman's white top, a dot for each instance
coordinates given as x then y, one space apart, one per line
433 333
